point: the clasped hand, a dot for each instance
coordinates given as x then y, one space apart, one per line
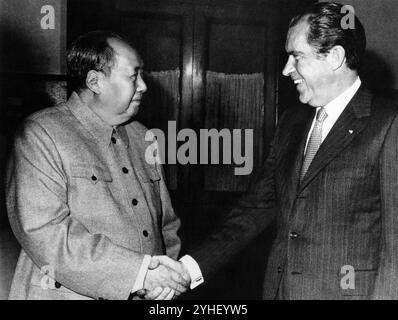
165 279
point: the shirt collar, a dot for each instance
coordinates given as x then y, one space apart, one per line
121 133
335 107
101 131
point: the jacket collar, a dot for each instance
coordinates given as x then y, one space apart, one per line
100 130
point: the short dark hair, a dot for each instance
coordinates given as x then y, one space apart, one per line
90 51
326 31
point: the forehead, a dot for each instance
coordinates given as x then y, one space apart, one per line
125 56
296 39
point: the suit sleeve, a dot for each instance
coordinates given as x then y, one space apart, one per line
37 202
170 222
386 284
253 214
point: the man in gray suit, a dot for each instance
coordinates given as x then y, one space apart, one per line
330 181
87 208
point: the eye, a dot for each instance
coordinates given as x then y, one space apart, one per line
144 74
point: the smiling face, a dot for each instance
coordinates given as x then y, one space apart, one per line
311 73
123 88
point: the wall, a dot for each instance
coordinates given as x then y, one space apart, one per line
379 19
32 36
32 65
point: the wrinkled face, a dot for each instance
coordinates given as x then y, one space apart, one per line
123 88
311 73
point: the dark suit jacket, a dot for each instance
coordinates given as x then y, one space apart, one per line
343 213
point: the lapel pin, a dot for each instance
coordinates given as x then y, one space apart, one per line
350 131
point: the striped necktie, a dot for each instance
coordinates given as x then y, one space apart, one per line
315 141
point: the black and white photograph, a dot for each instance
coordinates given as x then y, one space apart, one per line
198 150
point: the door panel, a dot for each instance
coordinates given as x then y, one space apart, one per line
235 99
159 40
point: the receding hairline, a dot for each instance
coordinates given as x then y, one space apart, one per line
298 19
304 20
306 26
124 44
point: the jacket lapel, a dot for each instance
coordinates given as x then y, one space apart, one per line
294 151
350 123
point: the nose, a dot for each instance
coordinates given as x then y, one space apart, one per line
141 86
289 66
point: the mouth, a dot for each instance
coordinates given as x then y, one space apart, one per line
298 81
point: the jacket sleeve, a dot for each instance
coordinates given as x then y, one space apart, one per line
386 284
253 214
170 222
37 202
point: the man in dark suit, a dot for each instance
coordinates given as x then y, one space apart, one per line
330 181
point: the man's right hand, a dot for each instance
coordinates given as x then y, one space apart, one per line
164 280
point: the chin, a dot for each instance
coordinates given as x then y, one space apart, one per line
304 100
133 109
134 112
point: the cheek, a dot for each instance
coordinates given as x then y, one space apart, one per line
304 72
127 91
312 77
130 88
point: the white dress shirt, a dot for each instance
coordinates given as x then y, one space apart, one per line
334 109
190 264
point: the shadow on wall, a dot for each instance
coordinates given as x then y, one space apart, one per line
21 93
377 74
18 51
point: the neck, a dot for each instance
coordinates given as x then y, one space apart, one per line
91 100
342 83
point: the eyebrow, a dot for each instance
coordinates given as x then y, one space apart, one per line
295 52
139 68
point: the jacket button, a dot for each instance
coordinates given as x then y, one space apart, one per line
293 235
125 170
145 233
134 202
113 139
57 284
279 269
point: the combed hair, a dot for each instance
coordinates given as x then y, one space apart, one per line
326 31
90 51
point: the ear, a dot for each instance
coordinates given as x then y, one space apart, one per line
93 81
337 57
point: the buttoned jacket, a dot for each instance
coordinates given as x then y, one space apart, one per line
341 217
85 205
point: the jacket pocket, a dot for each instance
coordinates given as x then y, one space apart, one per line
44 287
92 173
149 176
349 173
150 183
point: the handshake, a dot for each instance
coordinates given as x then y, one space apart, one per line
165 279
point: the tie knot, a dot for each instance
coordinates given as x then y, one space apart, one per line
321 115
